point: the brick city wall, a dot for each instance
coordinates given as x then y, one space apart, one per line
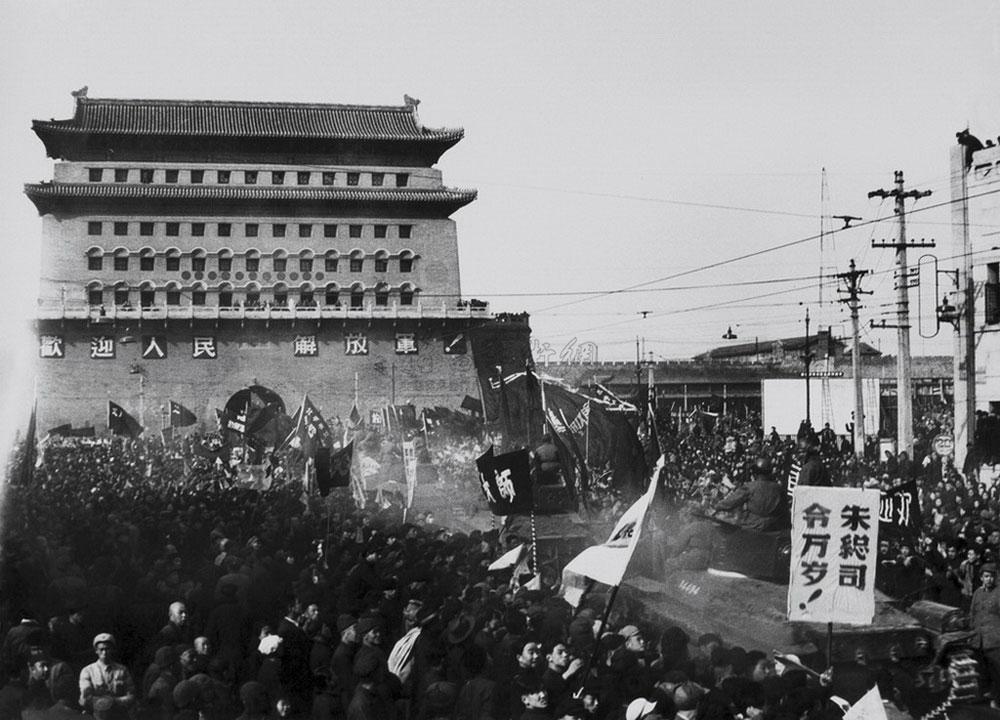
76 388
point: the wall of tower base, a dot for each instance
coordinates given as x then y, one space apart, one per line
81 366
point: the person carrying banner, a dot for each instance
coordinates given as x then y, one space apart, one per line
763 498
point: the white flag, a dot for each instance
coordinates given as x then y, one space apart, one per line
869 707
608 562
509 559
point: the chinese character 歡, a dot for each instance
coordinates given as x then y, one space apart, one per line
505 485
854 545
816 513
51 346
305 345
853 576
814 572
203 347
813 540
855 516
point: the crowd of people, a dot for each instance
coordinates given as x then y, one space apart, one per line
142 582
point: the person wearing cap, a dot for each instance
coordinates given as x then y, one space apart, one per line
763 498
813 471
629 668
984 616
342 661
106 678
640 708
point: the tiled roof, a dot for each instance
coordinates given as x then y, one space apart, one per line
123 191
247 119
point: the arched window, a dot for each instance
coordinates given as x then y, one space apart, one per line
307 295
381 261
173 293
225 260
357 295
406 261
95 258
147 294
95 293
147 259
280 260
173 257
122 299
225 295
252 259
280 295
357 261
330 260
332 296
121 260
406 293
305 261
198 260
252 295
198 293
382 295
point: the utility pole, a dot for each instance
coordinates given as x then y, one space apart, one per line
807 358
964 387
904 398
852 282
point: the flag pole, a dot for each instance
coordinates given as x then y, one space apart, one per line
597 645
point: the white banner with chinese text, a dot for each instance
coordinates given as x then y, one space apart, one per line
833 559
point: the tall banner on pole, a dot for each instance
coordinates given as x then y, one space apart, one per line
834 548
410 468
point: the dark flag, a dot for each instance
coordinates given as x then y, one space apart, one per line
180 416
121 423
899 511
652 444
506 481
310 432
232 421
355 416
471 404
334 469
64 430
26 471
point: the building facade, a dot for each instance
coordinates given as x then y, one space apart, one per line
192 248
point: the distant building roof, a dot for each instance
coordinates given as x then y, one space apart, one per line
246 119
795 344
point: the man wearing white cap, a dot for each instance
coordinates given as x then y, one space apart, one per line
108 679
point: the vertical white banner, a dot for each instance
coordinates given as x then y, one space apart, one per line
834 549
410 468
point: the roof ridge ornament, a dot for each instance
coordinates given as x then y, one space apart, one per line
81 93
412 103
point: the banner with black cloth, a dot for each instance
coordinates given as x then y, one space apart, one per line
899 511
506 481
333 469
121 423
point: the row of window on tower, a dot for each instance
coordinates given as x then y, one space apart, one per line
252 298
198 258
148 176
122 228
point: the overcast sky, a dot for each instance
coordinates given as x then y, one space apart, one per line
612 144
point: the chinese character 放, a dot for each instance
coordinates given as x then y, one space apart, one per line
855 516
51 346
355 344
305 346
204 348
102 347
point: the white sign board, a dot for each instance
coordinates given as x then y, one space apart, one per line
834 549
410 468
831 400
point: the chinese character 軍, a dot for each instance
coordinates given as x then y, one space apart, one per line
505 485
855 516
406 343
814 514
853 576
102 347
854 545
51 346
204 348
813 540
305 346
814 572
355 344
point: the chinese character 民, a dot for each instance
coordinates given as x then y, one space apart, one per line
355 344
854 545
814 572
204 348
102 347
853 576
305 346
406 343
816 513
855 516
505 485
51 346
813 540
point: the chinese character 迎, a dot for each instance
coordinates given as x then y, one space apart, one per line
814 572
855 516
505 485
102 347
355 344
204 348
813 540
854 545
885 508
305 346
406 343
816 513
853 576
51 346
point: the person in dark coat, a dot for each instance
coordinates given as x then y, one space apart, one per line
984 616
763 498
813 471
296 677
